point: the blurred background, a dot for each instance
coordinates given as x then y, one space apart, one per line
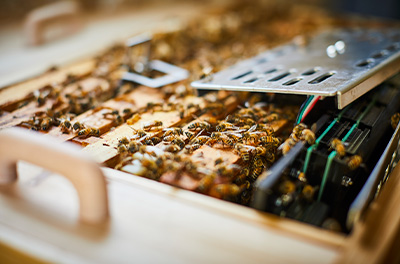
35 35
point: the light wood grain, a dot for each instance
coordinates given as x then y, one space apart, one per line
146 226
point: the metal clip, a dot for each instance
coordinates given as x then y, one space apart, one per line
144 67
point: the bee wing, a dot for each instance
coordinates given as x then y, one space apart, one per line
253 128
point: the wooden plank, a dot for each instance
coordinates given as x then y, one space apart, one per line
13 94
134 100
142 222
375 238
106 148
98 88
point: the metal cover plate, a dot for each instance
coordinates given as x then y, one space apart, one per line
345 63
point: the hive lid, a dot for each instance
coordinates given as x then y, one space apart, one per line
345 63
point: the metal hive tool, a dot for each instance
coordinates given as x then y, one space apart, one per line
345 63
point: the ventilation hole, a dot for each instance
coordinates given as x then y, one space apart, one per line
270 71
242 75
279 77
321 78
393 47
364 63
380 54
251 80
261 61
293 81
310 72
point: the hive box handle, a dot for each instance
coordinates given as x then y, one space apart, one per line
63 158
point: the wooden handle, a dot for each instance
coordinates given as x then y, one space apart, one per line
375 239
40 18
65 159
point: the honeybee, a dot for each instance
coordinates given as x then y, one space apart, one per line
302 177
223 126
308 192
45 124
216 107
118 120
308 136
216 135
228 171
189 135
297 130
181 111
171 148
244 151
153 106
265 128
260 151
65 125
169 138
78 126
243 175
136 117
124 141
248 122
192 147
337 145
218 161
354 162
127 111
140 133
258 161
250 136
89 132
287 187
227 141
134 146
172 131
270 157
287 145
201 140
270 118
148 141
246 112
270 140
227 190
245 127
147 126
206 182
178 141
122 148
156 140
257 170
395 119
199 125
234 136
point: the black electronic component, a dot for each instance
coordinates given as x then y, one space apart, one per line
330 182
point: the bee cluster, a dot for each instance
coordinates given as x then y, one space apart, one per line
171 154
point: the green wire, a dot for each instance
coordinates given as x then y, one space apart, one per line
333 153
313 147
304 108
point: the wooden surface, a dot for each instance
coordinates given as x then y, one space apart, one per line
146 225
376 238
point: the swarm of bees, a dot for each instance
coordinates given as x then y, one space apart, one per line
247 132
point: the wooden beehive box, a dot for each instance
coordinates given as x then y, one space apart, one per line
130 218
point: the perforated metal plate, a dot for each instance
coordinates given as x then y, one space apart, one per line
345 63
